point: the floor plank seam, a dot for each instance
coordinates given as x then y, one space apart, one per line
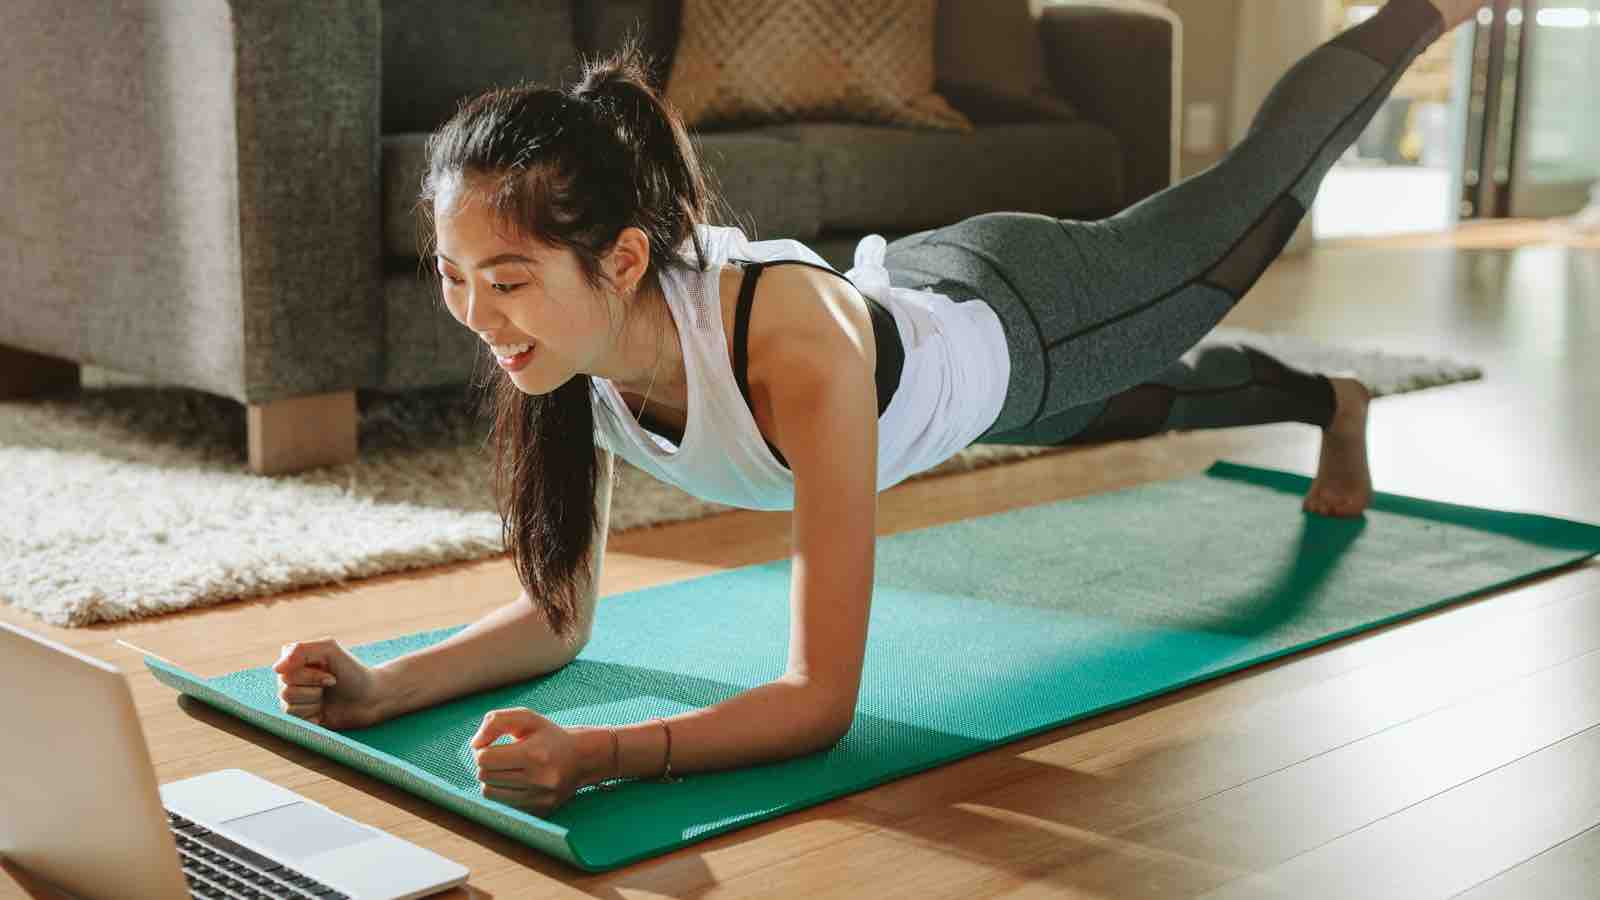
1385 817
1556 846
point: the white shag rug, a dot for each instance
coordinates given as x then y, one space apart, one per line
131 500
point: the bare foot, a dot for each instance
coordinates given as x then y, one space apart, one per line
1343 486
1455 12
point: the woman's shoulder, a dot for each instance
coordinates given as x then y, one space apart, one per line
805 332
802 317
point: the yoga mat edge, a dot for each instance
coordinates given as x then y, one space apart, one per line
1535 526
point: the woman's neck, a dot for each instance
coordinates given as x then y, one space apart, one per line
660 376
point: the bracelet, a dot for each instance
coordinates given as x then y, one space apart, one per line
666 777
615 767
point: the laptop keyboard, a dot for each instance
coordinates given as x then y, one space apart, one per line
218 867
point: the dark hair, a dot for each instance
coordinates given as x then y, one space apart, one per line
568 169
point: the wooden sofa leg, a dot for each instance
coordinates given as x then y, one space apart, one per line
288 436
24 374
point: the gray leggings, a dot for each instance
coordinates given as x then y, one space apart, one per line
1100 316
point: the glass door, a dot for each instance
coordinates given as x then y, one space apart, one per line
1555 160
1404 173
1497 119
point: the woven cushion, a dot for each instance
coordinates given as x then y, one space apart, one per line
745 62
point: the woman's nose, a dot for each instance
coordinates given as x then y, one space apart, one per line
478 312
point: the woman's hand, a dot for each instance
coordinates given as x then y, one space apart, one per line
538 772
321 682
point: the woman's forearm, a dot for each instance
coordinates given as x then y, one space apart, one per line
772 722
512 643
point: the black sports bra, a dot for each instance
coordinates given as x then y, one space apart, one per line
891 354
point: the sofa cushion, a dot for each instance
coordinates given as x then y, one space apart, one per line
742 63
990 63
603 26
404 157
437 54
770 183
423 344
887 178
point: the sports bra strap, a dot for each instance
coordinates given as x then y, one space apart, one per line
886 337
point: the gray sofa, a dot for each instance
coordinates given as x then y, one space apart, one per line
219 195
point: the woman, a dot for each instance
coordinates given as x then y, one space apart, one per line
570 235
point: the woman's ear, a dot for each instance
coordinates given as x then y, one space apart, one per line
630 258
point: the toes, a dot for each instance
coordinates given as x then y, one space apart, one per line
1348 508
1326 503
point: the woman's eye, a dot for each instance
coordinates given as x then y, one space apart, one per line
500 288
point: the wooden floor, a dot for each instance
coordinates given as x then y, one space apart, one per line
1451 755
1487 234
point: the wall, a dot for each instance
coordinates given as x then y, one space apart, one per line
1210 42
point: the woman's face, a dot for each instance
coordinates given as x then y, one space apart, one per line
520 293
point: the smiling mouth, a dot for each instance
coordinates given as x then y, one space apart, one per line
495 349
516 361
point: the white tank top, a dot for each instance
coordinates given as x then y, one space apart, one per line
957 368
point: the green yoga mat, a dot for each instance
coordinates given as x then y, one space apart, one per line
982 632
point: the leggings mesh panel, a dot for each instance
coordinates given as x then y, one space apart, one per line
1274 392
1243 264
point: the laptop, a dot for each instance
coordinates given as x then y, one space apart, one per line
80 807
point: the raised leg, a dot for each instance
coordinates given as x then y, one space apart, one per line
1223 385
1095 308
1214 385
299 433
24 374
1454 12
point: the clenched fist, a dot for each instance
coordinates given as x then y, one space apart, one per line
321 682
540 771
